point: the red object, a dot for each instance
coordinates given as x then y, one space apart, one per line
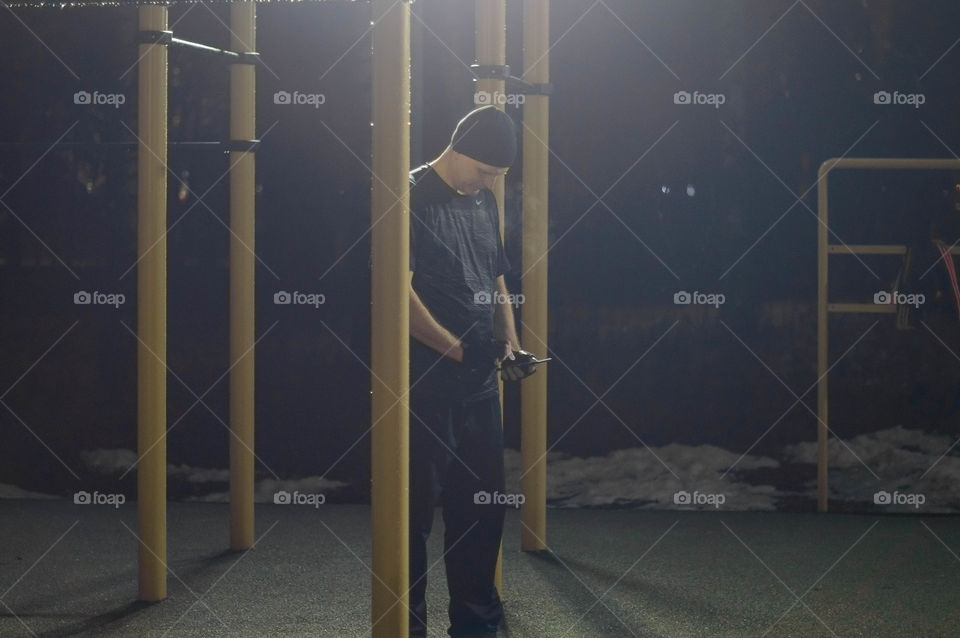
951 270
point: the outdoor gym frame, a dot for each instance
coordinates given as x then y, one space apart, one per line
389 281
824 306
154 41
389 284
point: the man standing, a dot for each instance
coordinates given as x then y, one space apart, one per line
461 327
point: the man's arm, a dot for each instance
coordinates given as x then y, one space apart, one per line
503 326
425 329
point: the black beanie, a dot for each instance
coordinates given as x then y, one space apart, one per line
487 135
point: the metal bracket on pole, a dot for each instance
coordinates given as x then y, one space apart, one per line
247 57
490 71
502 72
246 146
163 38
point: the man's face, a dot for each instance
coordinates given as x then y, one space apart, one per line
473 175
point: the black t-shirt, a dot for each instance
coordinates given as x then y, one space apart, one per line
456 254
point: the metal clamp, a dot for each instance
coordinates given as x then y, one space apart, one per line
163 38
243 146
247 57
490 71
502 72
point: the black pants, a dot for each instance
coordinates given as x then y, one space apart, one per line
457 458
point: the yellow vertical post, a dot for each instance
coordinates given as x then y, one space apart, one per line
533 391
822 338
242 271
491 47
389 318
152 309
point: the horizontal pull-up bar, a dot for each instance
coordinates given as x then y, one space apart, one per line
912 163
862 308
249 146
875 249
165 38
867 249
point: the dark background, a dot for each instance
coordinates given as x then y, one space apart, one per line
799 96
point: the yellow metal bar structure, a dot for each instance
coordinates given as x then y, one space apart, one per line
152 309
874 249
390 321
533 391
491 45
822 349
862 308
824 307
242 270
888 163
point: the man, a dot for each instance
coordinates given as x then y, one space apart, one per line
461 327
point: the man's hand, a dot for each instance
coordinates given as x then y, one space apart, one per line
518 366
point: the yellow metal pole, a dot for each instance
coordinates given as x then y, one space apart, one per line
390 321
491 45
533 391
242 269
152 309
822 336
